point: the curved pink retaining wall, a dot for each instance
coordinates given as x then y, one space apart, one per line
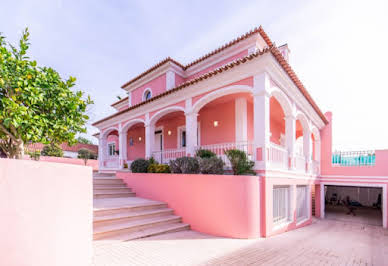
46 214
91 163
221 205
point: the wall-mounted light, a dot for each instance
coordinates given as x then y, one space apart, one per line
169 132
139 138
215 123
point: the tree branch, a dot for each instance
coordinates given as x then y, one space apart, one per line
8 133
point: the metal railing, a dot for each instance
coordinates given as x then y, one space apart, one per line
165 156
220 148
354 158
278 156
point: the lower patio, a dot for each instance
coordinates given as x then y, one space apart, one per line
325 242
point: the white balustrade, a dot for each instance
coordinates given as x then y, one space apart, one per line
300 163
112 162
315 167
220 148
277 156
165 156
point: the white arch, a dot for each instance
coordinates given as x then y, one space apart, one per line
283 100
163 112
219 93
315 132
130 123
109 130
304 121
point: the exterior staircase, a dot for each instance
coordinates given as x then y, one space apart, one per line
120 216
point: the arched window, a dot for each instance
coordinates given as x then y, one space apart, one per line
147 94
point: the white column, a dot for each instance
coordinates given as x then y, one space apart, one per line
122 148
241 119
317 155
191 133
170 80
261 122
307 144
149 139
101 151
290 138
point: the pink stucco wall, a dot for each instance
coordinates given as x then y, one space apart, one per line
178 80
46 213
171 124
221 205
219 64
157 86
225 131
379 169
138 149
91 163
268 227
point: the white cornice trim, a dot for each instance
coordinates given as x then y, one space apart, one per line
216 58
265 63
169 66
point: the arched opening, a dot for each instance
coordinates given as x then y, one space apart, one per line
169 138
277 123
111 148
135 141
226 122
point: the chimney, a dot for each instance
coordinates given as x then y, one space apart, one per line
285 51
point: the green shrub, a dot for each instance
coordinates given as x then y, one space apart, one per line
34 155
86 154
185 165
152 161
140 166
158 168
241 165
52 150
211 166
205 154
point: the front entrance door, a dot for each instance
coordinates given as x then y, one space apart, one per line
158 146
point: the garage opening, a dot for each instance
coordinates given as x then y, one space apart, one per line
354 204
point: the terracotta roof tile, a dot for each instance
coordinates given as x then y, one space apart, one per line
164 61
271 48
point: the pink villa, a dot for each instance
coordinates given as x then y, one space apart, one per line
243 95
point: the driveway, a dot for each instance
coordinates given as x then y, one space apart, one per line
325 242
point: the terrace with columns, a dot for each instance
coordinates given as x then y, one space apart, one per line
241 96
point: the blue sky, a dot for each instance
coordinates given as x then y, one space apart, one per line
337 48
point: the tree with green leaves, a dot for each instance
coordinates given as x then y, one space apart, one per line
83 140
36 104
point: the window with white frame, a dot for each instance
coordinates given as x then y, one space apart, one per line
302 202
112 149
147 94
182 136
281 204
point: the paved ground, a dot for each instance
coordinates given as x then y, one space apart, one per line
325 242
364 215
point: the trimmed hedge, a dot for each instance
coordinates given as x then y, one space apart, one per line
185 165
140 166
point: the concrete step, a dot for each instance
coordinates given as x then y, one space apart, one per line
103 174
129 208
104 195
106 177
108 189
130 216
107 181
115 185
114 229
152 231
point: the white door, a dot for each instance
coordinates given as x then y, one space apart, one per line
158 146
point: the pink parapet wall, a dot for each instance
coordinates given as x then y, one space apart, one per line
75 161
221 205
46 214
379 169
